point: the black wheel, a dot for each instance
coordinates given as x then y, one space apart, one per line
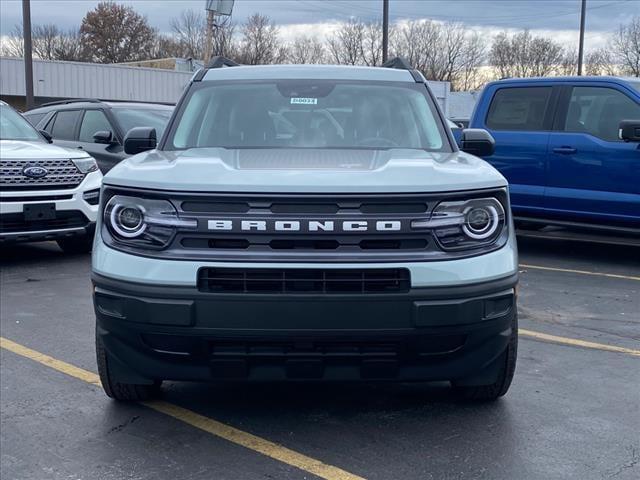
127 392
507 369
77 244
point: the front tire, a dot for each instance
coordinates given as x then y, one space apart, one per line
125 392
485 393
77 244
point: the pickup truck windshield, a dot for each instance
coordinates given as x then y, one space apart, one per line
308 114
14 126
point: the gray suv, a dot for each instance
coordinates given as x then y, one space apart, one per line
95 126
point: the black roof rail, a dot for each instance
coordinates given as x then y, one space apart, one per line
219 62
215 62
70 100
401 63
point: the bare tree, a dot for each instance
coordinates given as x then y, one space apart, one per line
469 77
346 44
13 46
259 43
189 32
372 44
569 62
117 33
224 43
523 55
306 50
601 62
626 47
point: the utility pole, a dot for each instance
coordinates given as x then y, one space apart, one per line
583 13
28 60
209 43
385 30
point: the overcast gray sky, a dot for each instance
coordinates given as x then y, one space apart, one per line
556 17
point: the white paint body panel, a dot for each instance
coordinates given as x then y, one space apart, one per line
123 266
221 170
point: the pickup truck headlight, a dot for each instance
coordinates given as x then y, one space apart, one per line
466 224
143 222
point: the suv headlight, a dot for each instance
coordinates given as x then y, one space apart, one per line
143 222
85 165
466 224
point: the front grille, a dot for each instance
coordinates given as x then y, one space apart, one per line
311 280
15 222
63 174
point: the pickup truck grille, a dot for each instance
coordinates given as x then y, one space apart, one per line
62 174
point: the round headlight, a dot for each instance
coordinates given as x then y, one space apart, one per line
128 220
481 222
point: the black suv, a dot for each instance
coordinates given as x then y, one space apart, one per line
97 127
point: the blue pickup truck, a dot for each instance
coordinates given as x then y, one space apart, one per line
569 147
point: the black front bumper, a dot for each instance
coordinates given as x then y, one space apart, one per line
178 333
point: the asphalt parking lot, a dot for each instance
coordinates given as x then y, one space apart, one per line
573 410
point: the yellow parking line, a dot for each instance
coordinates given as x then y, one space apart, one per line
577 343
581 272
219 429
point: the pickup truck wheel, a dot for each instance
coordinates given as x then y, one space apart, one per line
483 393
127 392
78 244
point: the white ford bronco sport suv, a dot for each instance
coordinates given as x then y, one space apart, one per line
46 192
305 223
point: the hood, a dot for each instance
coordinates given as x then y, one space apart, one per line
20 149
305 170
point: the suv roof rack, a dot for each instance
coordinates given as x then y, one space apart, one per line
70 100
401 63
215 62
219 62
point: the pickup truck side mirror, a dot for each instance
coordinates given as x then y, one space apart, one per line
140 139
103 136
478 142
630 130
46 136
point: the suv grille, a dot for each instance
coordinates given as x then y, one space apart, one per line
62 174
294 280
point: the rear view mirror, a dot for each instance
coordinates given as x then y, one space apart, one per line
140 139
630 130
103 136
478 142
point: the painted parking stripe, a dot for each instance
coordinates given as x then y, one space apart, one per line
577 343
581 272
209 425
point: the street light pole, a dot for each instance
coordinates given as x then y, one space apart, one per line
583 13
385 30
28 60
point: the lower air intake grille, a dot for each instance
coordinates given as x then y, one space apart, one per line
294 280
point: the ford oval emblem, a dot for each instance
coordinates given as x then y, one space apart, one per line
34 171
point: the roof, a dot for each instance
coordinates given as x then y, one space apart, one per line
74 104
568 79
312 72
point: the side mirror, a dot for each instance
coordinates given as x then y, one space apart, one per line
478 142
103 136
46 136
630 130
140 139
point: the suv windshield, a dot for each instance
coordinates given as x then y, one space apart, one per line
308 114
14 127
136 117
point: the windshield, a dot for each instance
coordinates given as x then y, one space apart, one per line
14 126
129 118
635 85
308 114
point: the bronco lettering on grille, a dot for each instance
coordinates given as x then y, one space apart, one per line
305 225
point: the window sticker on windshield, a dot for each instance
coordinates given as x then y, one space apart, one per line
303 101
